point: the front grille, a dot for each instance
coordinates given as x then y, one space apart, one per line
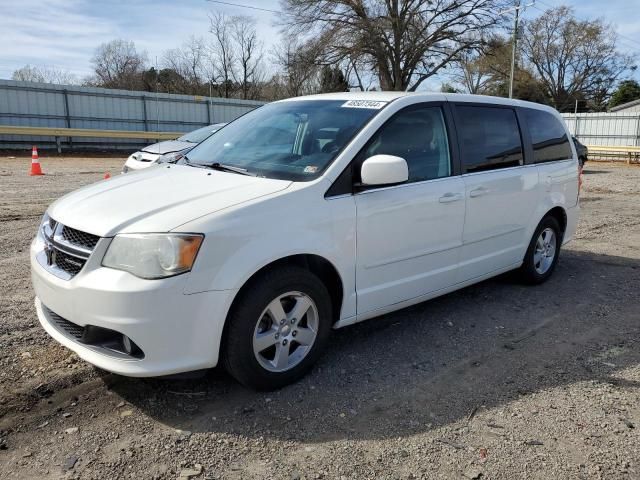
76 237
76 331
70 264
66 249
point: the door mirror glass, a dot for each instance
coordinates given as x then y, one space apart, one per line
384 170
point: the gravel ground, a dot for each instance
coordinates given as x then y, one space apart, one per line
497 380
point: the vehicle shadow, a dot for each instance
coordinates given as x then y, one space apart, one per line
429 365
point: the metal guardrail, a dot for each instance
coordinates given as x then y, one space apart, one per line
85 132
631 153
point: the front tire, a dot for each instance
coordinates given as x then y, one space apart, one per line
543 251
277 329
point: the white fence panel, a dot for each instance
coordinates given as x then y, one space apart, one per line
47 105
610 129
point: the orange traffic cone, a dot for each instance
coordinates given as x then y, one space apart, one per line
35 163
107 175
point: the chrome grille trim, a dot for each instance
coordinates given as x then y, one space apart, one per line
66 250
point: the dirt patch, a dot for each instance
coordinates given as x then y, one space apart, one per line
497 380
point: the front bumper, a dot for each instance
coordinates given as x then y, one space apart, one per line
177 332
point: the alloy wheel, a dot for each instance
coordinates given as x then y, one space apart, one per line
285 331
545 251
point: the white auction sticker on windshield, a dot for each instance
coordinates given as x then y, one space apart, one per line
374 104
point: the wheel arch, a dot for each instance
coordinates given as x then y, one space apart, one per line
555 211
560 215
316 264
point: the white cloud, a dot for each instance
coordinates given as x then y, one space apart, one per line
65 33
49 32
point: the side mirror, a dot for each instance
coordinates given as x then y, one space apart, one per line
384 170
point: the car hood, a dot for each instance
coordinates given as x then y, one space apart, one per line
157 199
169 146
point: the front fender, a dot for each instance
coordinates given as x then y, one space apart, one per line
241 241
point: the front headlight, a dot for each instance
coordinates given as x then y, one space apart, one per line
44 223
153 255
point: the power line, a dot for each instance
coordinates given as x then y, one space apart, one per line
251 7
545 4
629 39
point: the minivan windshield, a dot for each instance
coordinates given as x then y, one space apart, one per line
292 140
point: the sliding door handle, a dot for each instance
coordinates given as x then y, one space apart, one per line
450 197
478 192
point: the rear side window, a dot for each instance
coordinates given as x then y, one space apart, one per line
489 138
548 135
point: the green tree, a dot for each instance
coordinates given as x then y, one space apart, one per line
332 80
448 88
627 91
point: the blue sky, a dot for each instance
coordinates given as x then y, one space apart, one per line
64 33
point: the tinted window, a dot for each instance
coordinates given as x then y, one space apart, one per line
419 135
549 138
489 138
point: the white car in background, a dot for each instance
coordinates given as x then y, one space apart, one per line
303 216
170 150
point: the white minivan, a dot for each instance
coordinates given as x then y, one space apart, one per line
302 216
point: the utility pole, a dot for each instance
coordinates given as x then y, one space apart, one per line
514 43
514 48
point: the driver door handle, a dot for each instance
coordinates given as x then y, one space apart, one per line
450 197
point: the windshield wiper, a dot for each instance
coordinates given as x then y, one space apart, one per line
229 168
219 166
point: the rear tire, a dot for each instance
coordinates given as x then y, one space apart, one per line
277 329
543 251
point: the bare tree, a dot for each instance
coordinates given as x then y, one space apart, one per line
483 70
189 63
358 73
473 72
117 64
44 74
573 58
300 66
405 41
248 54
222 53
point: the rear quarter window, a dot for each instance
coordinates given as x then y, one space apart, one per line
548 136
